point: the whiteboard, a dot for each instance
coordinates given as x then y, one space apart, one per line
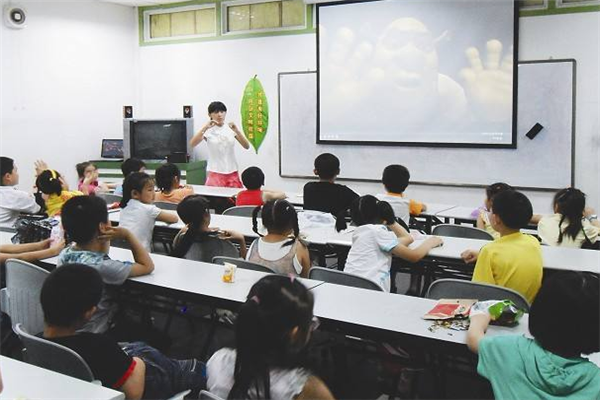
546 96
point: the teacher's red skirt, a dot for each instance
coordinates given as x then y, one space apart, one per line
223 180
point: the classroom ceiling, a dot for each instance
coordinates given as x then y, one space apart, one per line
138 3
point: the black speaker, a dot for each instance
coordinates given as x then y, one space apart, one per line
127 111
534 131
188 112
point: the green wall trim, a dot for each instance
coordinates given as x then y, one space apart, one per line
553 9
308 29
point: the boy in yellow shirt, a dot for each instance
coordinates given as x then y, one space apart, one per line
514 260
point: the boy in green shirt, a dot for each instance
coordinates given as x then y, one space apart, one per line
514 260
564 321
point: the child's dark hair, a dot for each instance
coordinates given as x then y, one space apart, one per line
327 166
395 178
81 168
564 317
367 210
48 182
81 216
68 292
253 178
135 181
279 216
216 106
513 208
165 175
192 210
496 188
275 305
7 165
131 165
570 203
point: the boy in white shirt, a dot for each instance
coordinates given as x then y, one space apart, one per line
395 180
13 201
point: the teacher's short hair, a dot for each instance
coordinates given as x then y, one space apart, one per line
216 106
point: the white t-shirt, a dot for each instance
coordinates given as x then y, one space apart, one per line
12 203
221 145
286 384
139 219
370 255
548 231
400 205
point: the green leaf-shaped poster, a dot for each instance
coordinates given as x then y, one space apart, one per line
255 113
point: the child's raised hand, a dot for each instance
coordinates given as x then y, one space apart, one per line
110 232
40 166
63 184
469 256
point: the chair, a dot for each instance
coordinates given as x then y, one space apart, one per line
204 395
110 198
21 297
342 278
240 211
462 289
210 248
460 231
53 356
163 205
242 264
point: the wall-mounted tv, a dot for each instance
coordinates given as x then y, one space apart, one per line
156 139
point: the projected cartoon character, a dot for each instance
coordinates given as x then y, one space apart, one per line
404 57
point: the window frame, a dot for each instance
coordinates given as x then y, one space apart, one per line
575 4
172 10
225 15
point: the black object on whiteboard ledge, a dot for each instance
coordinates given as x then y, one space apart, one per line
534 131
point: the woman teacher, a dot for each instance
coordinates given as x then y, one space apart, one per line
222 169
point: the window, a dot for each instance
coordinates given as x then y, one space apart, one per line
577 3
180 22
256 16
533 4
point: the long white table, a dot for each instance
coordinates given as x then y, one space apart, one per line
556 258
226 192
25 381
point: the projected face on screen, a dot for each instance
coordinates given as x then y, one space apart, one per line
419 84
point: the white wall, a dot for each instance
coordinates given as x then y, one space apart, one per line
196 73
66 76
64 80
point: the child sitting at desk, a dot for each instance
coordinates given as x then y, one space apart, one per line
514 260
55 191
326 195
277 250
253 179
572 224
130 166
13 201
564 321
377 238
70 297
395 180
483 221
194 211
271 329
138 214
168 181
88 179
86 225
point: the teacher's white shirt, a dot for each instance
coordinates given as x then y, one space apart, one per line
221 146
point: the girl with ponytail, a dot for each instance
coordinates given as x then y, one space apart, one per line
280 249
378 238
271 330
55 191
194 212
572 224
